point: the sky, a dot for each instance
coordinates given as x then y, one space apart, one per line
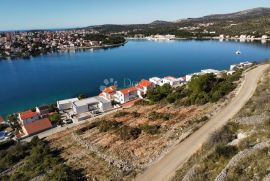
50 14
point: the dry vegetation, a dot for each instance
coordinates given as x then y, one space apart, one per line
124 143
229 155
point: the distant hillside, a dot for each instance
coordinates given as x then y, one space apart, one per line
253 21
246 14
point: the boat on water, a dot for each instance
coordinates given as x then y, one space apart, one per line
238 52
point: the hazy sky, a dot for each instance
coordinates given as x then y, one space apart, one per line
33 14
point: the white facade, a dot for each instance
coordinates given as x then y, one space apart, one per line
92 104
264 37
189 76
66 104
123 96
172 81
240 65
156 81
209 71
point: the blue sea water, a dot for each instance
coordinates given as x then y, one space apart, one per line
48 78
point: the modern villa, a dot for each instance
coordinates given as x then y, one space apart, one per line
93 104
66 104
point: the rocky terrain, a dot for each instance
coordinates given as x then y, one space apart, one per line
107 152
240 150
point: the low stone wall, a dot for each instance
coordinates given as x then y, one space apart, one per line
124 166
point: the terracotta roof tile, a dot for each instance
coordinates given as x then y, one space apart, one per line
37 126
128 90
28 114
144 83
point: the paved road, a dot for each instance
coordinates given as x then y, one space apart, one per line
165 168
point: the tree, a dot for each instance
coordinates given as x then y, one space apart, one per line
55 118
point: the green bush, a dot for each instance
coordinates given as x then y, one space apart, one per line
55 119
38 160
159 93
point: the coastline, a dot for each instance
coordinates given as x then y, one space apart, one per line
66 50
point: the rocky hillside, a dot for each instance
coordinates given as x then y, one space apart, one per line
241 15
253 21
240 150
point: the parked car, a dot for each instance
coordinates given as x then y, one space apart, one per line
69 121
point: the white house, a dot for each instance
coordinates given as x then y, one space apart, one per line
231 72
171 80
66 104
92 105
156 81
264 37
143 86
108 93
125 95
240 65
210 71
221 36
243 37
189 76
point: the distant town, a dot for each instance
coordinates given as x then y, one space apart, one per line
15 45
76 110
26 44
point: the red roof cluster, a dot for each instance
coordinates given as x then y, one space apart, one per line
144 83
37 126
128 90
28 114
110 90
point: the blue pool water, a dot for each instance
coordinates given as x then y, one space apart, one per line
45 79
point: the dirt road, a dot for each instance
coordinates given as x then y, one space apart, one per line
165 168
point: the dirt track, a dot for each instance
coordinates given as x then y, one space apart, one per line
165 168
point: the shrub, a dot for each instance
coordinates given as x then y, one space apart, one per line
55 119
120 114
150 129
225 151
127 132
135 114
88 127
143 103
156 115
105 126
82 96
225 134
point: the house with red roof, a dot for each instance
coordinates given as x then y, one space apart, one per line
143 86
125 95
36 126
108 93
28 116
